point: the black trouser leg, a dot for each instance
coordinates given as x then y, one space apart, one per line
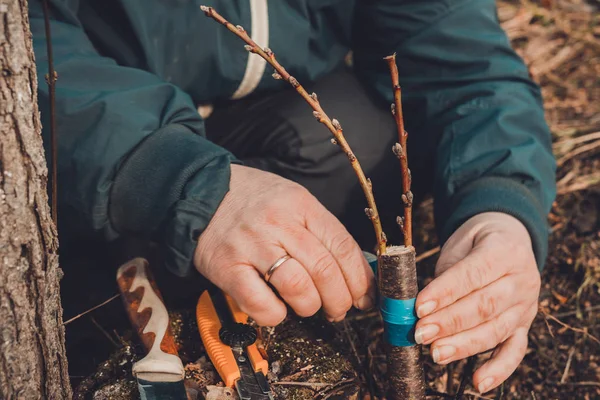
278 133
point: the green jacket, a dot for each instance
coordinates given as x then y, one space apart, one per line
133 157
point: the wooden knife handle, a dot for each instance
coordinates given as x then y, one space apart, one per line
149 316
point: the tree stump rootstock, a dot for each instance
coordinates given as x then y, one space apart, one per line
33 364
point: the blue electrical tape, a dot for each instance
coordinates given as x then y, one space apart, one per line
399 317
399 320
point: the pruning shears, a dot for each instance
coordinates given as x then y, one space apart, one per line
231 345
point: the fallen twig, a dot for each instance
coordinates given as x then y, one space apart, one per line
467 372
558 321
580 150
585 383
91 309
101 329
427 254
576 140
477 395
574 312
582 183
303 384
568 365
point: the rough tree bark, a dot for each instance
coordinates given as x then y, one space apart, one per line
32 352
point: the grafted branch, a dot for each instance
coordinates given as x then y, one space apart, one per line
401 151
332 124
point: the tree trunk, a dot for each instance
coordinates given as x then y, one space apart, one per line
32 351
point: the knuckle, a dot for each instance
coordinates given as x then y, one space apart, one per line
324 268
455 322
501 329
295 284
487 305
343 244
475 277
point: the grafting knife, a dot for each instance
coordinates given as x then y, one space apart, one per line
230 344
160 373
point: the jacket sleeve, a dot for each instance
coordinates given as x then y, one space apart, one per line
470 96
133 158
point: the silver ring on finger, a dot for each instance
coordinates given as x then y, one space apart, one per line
276 265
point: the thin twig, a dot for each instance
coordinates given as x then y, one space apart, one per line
583 331
570 313
568 365
578 140
467 372
305 384
51 78
352 346
91 309
430 392
101 329
577 151
332 124
582 183
401 151
326 393
477 395
585 383
427 254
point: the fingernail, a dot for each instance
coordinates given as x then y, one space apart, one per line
442 353
425 309
426 333
485 384
365 303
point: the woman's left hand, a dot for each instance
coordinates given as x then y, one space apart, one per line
484 296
